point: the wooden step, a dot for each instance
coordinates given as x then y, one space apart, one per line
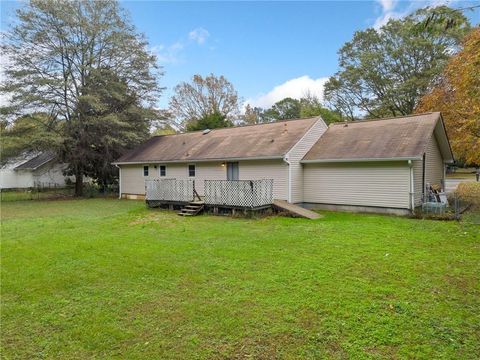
192 209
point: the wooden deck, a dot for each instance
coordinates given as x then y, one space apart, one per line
295 210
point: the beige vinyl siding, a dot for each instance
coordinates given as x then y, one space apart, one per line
267 169
296 154
417 181
133 181
434 169
379 184
433 163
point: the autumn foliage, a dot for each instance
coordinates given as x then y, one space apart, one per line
458 98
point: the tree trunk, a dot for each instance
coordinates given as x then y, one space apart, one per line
78 183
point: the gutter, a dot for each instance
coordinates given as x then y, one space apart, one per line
358 160
412 188
195 160
289 195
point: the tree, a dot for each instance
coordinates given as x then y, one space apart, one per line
310 105
30 132
457 96
212 121
284 109
54 50
385 72
204 99
253 115
113 120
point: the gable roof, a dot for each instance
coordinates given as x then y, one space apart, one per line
400 138
37 161
262 141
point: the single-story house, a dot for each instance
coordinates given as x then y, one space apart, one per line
374 165
32 169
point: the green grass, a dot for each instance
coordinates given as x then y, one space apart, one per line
110 279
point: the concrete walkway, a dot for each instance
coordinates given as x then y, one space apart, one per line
295 210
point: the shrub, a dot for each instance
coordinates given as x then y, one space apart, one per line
469 192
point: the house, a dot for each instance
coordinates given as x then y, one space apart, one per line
380 165
375 165
31 169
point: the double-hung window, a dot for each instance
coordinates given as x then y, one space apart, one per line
191 170
163 170
145 170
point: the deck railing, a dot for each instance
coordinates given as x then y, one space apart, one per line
239 193
170 190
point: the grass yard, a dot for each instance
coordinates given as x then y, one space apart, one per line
110 279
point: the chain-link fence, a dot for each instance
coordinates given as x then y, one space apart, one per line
52 191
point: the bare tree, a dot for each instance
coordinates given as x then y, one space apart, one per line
202 98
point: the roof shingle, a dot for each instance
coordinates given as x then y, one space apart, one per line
256 141
401 137
37 161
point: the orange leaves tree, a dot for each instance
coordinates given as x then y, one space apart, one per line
457 96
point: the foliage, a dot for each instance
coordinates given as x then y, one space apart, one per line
113 120
284 109
211 121
469 191
311 106
166 129
253 115
109 278
457 96
308 106
33 132
385 72
204 98
54 49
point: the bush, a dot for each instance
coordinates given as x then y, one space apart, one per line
469 192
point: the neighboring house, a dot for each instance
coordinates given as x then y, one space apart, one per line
375 165
32 169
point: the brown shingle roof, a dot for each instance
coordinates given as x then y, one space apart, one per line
393 138
37 161
256 141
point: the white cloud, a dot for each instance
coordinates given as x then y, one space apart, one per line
388 12
390 9
294 88
199 35
387 5
168 54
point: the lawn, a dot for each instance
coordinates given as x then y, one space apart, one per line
111 279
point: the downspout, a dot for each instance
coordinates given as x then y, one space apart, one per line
119 181
289 196
412 189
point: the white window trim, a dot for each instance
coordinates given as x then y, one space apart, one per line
188 170
160 171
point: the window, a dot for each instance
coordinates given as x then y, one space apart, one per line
145 170
163 170
191 170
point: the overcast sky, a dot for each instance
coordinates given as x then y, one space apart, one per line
268 50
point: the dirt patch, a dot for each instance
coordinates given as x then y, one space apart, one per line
164 218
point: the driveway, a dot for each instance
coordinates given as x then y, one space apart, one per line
451 184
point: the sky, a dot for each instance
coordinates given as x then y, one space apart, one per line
268 50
